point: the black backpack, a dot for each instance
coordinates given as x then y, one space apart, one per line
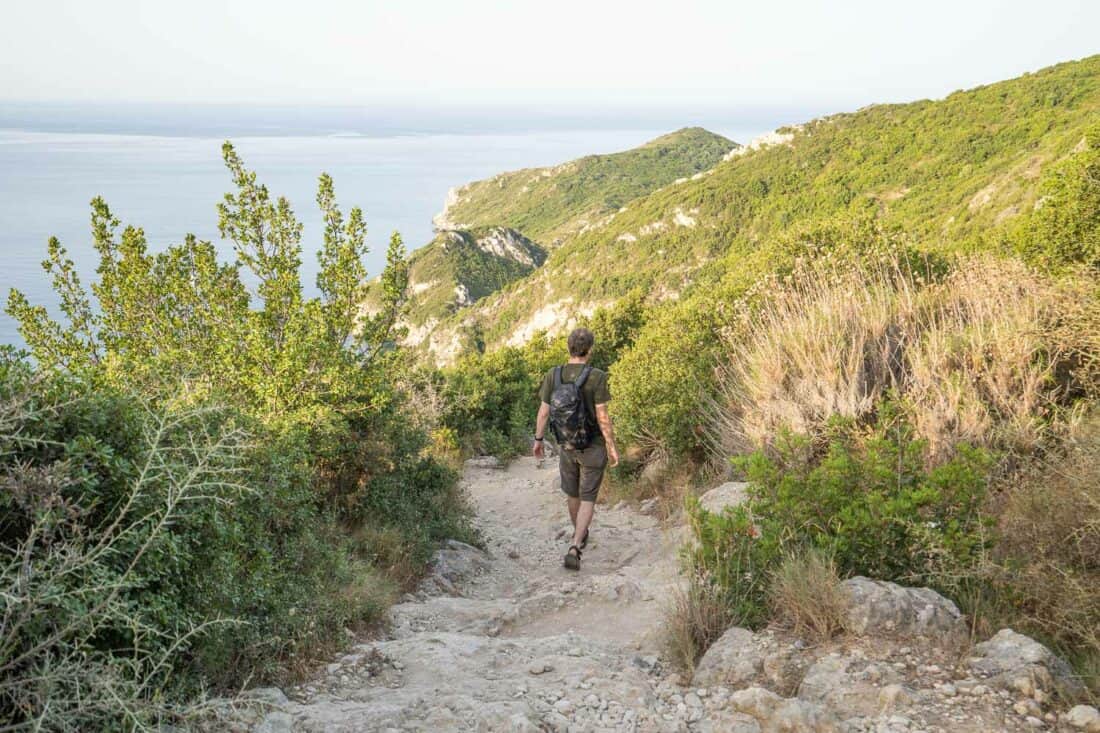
569 419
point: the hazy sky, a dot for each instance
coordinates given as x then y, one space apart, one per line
567 51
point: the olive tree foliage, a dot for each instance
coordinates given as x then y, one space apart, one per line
242 330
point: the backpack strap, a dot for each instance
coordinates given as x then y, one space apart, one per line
580 380
557 377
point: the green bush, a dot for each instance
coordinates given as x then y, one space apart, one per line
490 402
217 527
867 501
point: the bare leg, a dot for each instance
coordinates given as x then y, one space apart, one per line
583 519
574 505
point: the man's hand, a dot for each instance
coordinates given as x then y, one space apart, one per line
538 450
612 455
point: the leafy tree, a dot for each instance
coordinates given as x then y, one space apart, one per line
180 315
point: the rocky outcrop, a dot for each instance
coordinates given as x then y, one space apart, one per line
741 658
879 608
851 685
1020 663
729 494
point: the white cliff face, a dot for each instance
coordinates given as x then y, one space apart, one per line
509 244
766 140
553 318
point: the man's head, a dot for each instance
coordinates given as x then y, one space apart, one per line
580 343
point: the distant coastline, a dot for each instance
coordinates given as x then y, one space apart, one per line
176 120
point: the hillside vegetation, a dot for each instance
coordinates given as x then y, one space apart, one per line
494 232
946 172
453 271
550 205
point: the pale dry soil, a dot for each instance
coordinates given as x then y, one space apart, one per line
506 639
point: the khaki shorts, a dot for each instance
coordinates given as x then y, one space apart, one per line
582 471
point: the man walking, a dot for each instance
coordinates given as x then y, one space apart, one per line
574 402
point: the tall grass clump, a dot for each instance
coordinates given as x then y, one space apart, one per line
804 594
980 356
1045 569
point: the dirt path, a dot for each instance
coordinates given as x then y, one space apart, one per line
508 639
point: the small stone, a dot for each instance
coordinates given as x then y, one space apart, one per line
1035 722
592 701
894 696
948 690
1028 707
537 668
563 706
1083 717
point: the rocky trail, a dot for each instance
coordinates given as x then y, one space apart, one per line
506 639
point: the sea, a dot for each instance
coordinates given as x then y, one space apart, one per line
160 168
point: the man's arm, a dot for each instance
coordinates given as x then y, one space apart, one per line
540 428
604 418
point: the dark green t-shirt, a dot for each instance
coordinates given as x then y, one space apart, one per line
595 390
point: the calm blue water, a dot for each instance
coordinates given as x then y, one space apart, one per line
170 184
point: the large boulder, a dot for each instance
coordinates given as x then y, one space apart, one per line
741 658
881 608
847 685
729 494
1020 663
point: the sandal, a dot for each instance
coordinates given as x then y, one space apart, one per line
573 558
584 540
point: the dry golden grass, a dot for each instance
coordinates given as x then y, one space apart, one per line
989 355
805 595
1047 561
698 614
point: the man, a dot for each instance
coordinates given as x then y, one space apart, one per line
581 466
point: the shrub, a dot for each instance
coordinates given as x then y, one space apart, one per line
868 503
805 595
491 401
1064 227
92 623
662 381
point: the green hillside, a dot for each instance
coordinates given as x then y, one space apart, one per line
947 172
550 205
458 268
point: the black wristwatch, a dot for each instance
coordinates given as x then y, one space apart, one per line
538 440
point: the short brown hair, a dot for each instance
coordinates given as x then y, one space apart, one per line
580 342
